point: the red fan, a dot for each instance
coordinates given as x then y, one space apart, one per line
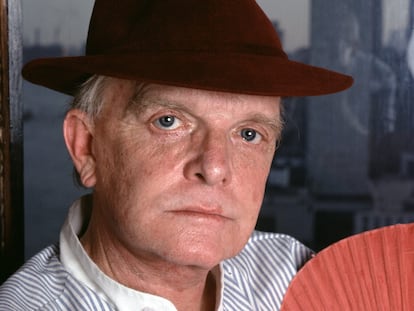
373 270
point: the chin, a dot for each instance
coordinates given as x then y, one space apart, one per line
204 256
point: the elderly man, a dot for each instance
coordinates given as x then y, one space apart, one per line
175 118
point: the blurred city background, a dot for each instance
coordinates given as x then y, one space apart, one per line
346 161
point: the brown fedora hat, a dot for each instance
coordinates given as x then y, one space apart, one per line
228 46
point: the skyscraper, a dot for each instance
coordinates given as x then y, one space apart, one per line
345 35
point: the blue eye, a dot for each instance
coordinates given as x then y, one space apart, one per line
167 122
250 135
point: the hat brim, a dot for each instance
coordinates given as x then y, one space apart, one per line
236 73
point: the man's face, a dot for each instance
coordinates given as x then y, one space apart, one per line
180 173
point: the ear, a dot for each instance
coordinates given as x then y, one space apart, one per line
78 134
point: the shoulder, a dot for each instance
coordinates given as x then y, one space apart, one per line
263 269
38 280
277 247
43 283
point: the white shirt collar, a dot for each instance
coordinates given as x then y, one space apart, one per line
78 263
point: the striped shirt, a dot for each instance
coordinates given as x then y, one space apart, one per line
61 278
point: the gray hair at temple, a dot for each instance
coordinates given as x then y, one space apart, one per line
89 97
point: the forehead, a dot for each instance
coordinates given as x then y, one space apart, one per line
125 92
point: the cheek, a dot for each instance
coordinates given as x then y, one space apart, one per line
131 163
252 187
114 161
253 173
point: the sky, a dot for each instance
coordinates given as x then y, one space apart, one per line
293 18
46 21
67 20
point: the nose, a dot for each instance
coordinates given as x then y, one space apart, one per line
211 161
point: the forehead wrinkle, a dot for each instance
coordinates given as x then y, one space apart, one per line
147 102
141 100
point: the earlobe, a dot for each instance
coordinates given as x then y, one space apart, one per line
78 134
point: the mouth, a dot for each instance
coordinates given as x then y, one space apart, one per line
201 214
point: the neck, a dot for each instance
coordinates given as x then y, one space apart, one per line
187 287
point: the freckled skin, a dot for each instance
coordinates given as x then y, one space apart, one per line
150 182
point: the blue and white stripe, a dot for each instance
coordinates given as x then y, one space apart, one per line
258 277
43 284
254 280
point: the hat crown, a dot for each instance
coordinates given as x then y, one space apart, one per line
207 25
228 46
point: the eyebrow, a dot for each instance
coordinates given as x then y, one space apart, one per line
275 124
141 102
